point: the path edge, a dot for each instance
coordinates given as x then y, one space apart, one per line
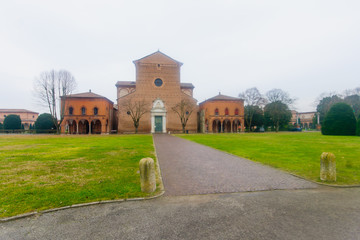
158 179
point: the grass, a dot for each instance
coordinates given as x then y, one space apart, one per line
42 172
297 153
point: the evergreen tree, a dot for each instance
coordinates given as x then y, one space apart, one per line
340 120
12 122
44 123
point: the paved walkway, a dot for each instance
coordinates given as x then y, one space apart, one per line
189 168
322 213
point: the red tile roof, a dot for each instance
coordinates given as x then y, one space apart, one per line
16 111
86 95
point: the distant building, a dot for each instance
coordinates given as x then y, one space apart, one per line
27 117
87 113
304 119
222 114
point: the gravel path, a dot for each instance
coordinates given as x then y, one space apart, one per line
189 168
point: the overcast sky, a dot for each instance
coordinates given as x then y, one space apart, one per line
303 47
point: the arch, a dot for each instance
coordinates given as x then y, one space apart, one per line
236 125
83 126
71 125
216 126
226 111
227 126
96 126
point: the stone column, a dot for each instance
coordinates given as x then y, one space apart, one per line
327 167
147 175
77 127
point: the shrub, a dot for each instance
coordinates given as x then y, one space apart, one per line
340 120
358 127
44 123
12 122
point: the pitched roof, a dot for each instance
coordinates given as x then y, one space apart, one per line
157 57
221 97
86 95
186 85
16 111
125 83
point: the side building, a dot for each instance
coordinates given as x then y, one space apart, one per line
27 117
305 119
87 113
222 114
157 90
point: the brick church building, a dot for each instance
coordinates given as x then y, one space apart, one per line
158 99
159 88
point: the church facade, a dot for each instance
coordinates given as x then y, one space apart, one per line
156 102
158 95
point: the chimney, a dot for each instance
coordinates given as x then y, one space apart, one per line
89 90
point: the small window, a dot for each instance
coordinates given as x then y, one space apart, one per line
4 115
226 111
95 111
83 110
236 111
71 111
216 112
33 116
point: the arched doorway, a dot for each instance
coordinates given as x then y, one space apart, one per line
83 127
96 127
227 126
72 126
216 126
236 125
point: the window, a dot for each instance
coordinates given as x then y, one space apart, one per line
236 111
71 111
158 82
226 111
95 111
83 110
216 112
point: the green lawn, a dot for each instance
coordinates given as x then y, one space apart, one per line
42 172
297 153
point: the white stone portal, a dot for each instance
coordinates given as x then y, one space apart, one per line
158 109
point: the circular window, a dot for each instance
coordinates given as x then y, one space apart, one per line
158 82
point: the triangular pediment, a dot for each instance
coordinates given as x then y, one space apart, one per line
159 58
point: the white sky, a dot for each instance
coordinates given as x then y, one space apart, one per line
303 47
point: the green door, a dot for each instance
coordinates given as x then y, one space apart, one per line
158 124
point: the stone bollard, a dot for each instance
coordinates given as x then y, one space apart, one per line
147 175
327 167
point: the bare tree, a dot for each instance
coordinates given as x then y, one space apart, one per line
253 99
278 95
135 109
184 110
49 87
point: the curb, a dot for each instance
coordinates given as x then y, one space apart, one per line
161 188
78 206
